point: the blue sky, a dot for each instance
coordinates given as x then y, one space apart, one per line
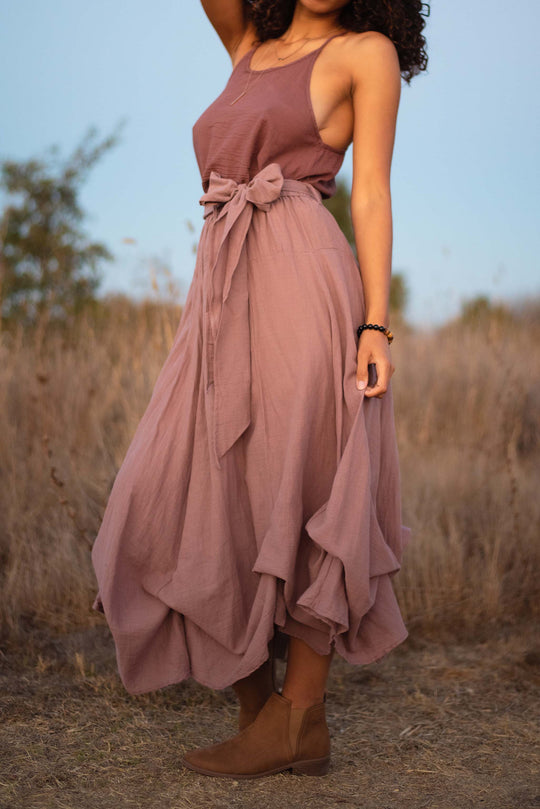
466 166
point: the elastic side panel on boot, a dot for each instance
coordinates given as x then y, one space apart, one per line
296 720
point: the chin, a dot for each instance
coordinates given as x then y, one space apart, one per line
323 6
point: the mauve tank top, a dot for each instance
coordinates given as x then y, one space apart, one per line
273 122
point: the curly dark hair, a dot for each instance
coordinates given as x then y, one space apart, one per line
401 21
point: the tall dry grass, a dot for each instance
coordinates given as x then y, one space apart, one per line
466 405
467 401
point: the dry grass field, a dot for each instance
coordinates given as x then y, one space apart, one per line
431 726
446 720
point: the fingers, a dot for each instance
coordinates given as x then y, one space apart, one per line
384 368
384 372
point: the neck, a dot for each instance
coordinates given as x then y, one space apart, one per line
308 24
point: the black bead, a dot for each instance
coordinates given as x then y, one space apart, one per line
363 326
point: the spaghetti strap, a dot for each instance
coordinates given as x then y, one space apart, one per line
339 34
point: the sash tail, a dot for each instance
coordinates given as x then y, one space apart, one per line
226 305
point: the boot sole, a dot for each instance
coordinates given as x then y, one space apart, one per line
314 766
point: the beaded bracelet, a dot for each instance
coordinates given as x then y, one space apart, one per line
386 331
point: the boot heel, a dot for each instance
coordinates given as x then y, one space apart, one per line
318 766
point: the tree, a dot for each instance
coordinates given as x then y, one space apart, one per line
47 261
340 207
399 294
481 313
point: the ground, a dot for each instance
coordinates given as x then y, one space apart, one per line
432 724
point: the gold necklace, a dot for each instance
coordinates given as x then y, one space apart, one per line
280 58
306 39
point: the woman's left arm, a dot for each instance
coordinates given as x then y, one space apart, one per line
375 89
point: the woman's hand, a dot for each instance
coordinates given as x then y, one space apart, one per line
373 347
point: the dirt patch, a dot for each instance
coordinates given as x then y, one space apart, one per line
435 725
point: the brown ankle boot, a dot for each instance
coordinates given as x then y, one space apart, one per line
253 691
279 738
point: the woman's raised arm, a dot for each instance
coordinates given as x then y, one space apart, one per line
230 21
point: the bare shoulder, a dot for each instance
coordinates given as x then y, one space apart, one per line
369 56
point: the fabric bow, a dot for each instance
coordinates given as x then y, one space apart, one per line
226 306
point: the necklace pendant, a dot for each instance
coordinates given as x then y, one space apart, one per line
237 98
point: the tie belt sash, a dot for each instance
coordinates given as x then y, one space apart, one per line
225 291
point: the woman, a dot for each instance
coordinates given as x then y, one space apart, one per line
257 511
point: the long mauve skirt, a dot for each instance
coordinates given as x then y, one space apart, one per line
260 494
